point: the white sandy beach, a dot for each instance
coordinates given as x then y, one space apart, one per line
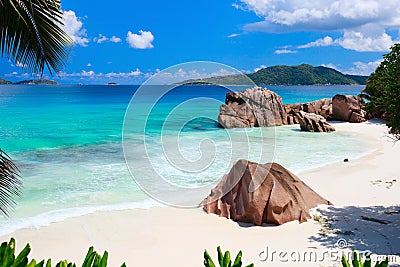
166 236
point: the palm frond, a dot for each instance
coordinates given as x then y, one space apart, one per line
31 34
10 183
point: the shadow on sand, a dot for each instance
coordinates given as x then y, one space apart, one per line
375 229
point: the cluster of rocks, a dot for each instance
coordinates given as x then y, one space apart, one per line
268 193
260 107
262 193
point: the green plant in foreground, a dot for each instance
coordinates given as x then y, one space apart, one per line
224 260
357 261
8 259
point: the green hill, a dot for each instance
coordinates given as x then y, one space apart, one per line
358 78
299 75
2 81
287 75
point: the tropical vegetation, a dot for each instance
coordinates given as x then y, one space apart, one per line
10 183
8 258
303 74
382 91
31 36
224 259
358 262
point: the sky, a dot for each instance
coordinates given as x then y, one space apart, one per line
129 41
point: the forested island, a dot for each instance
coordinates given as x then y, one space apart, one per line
39 81
287 75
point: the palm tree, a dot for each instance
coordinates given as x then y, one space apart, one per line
31 35
10 184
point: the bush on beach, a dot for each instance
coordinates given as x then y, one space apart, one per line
224 259
357 261
8 259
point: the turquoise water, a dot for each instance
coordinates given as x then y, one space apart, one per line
67 142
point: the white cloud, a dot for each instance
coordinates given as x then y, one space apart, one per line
364 68
89 65
140 41
73 27
285 51
115 39
87 73
365 24
100 39
358 68
366 40
134 73
332 66
259 68
233 35
326 41
92 74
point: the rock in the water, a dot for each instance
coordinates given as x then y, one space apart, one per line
311 122
348 108
255 107
262 193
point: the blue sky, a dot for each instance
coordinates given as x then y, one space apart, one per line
128 41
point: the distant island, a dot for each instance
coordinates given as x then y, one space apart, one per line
39 81
286 75
2 81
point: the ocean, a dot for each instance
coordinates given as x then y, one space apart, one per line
67 142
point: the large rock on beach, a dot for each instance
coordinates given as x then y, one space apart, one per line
311 122
253 107
262 193
321 107
348 108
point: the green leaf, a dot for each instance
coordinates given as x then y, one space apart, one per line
123 265
22 258
103 261
356 260
11 184
227 259
31 33
238 260
63 263
367 262
250 265
384 263
220 256
32 263
89 258
2 251
207 260
9 254
345 263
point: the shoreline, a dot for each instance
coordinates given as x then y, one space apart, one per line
181 235
58 215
